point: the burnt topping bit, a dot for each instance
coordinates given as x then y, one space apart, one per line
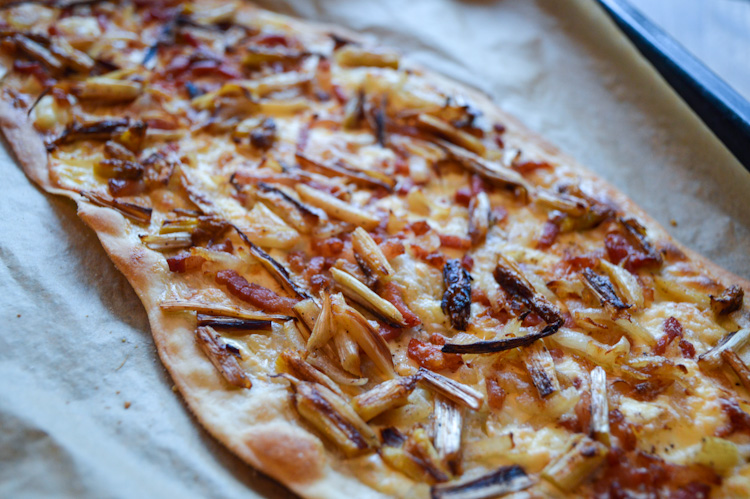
221 357
233 323
264 135
491 172
340 169
603 289
730 300
515 284
100 130
132 211
273 267
493 346
457 297
628 244
502 481
332 416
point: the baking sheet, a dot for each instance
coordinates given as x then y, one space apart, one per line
86 408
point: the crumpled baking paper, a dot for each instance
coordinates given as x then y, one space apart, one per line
86 408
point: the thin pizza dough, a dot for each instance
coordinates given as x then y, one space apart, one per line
365 279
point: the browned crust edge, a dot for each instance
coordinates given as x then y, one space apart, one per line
135 264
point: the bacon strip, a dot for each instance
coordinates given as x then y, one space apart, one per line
392 293
261 297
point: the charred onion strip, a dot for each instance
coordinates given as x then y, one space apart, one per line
455 391
493 346
491 172
637 233
625 282
568 204
169 241
101 130
38 52
337 208
515 284
219 310
298 367
479 218
730 300
448 424
442 129
107 90
366 336
602 287
599 406
297 214
456 301
132 211
502 481
225 362
338 170
233 323
732 342
369 255
738 366
332 416
541 368
357 291
385 396
273 267
414 456
322 331
578 463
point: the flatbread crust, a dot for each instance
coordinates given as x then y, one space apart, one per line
262 429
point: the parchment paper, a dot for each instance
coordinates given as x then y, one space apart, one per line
86 408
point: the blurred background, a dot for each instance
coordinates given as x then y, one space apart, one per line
715 31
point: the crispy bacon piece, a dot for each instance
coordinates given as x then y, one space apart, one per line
420 227
457 297
254 294
434 258
463 196
392 292
124 187
622 430
495 394
635 473
392 248
455 242
185 262
738 420
673 330
550 231
629 245
389 333
430 357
